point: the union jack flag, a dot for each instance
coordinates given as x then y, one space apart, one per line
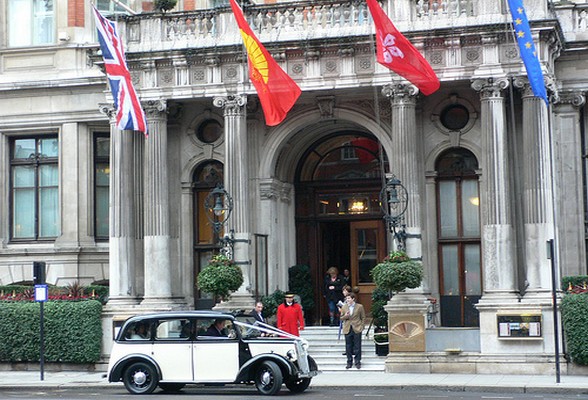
129 114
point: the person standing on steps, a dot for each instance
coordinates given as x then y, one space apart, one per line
333 293
353 317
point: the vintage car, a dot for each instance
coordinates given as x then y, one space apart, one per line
172 349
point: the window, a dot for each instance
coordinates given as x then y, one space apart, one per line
109 7
34 188
458 204
31 22
101 185
174 329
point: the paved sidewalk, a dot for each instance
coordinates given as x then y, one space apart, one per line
344 379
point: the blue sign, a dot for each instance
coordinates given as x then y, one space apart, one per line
41 293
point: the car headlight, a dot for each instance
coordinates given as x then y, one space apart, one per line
291 354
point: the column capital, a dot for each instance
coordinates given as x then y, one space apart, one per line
575 99
232 105
490 88
401 93
155 108
273 189
108 110
522 83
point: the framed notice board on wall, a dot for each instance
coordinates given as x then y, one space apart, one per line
519 326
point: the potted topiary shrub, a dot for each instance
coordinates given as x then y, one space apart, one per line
220 277
397 272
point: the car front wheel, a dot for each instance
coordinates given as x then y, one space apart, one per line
140 378
268 378
298 385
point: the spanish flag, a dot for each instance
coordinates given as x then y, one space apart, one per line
276 90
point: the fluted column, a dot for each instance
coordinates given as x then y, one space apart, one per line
236 179
156 208
496 217
570 207
404 161
537 191
123 264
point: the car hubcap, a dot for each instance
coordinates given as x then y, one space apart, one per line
266 378
140 378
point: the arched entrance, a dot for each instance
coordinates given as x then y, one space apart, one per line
338 217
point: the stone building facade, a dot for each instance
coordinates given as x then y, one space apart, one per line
491 172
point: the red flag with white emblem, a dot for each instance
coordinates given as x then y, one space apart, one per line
395 52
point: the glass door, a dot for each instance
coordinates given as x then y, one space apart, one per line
368 247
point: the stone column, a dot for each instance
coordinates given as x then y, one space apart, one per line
498 257
538 206
156 219
404 161
123 233
236 179
569 194
407 309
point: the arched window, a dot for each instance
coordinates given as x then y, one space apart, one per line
458 229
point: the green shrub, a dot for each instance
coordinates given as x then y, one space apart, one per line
380 298
574 312
164 5
299 282
398 272
220 277
577 280
72 331
271 303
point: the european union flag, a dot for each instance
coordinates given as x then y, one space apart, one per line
527 48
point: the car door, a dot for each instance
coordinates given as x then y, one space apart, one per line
216 358
172 349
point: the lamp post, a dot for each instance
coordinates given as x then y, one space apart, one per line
394 202
219 206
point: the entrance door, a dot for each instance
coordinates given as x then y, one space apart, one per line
368 247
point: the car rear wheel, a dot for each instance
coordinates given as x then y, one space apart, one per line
268 378
298 385
171 387
140 378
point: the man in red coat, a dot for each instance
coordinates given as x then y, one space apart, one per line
290 317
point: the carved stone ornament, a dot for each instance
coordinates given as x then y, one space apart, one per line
232 104
326 105
108 110
155 109
575 99
490 87
400 92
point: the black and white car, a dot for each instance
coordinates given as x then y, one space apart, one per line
172 349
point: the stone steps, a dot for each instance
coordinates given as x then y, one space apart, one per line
326 348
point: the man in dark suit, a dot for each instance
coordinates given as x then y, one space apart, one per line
217 328
353 317
257 312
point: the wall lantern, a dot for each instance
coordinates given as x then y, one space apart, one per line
394 202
